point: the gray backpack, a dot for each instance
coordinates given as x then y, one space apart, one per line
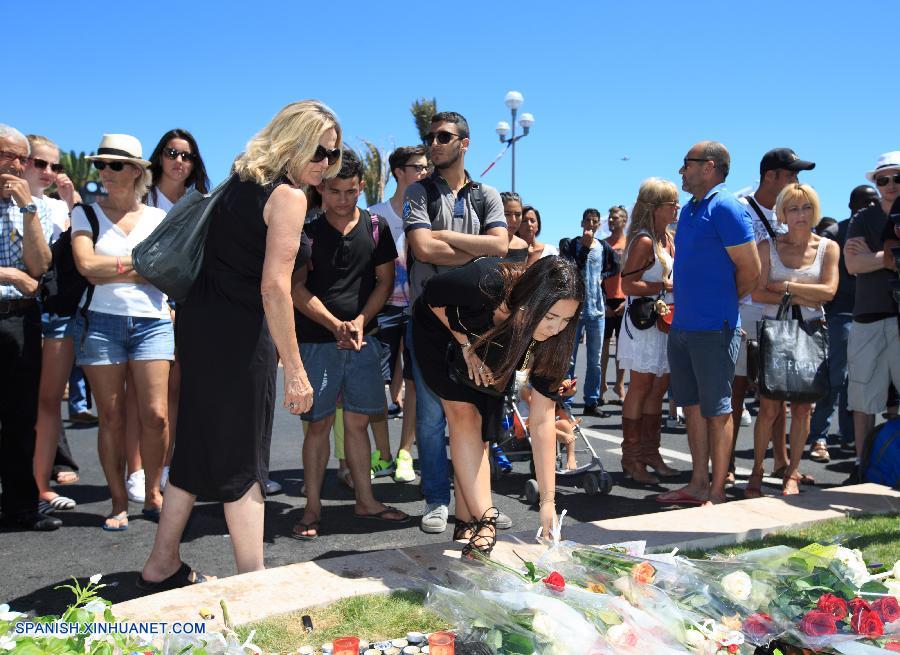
171 257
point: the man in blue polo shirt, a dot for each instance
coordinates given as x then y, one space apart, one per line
716 264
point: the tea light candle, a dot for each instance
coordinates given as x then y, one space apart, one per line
346 646
441 643
415 637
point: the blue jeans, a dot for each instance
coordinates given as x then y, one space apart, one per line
77 392
593 329
431 425
838 335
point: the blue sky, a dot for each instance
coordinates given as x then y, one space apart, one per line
603 80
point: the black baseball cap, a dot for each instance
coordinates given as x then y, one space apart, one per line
783 159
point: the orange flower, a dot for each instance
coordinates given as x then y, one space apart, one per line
732 622
643 573
596 587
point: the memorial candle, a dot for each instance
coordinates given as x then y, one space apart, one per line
441 643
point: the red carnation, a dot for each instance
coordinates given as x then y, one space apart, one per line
757 625
893 646
867 622
555 582
888 608
834 605
856 603
817 623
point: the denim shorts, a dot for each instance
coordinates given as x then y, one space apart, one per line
334 372
57 327
391 328
701 366
114 339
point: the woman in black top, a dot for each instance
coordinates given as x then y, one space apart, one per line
504 321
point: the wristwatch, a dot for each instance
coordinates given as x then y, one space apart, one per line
30 208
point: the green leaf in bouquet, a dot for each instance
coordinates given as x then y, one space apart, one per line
873 588
516 644
532 574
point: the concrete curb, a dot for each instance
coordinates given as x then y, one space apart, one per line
259 595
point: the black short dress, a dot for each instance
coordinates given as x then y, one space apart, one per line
228 360
469 294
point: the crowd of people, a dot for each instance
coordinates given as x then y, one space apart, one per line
441 294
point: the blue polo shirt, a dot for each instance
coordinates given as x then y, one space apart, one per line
704 286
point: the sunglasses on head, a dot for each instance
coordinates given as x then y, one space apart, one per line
42 164
173 154
884 180
113 165
442 136
322 153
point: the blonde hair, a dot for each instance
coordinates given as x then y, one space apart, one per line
797 190
287 144
38 140
653 193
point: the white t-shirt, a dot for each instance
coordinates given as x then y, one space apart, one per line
548 251
760 233
400 294
123 299
59 215
156 198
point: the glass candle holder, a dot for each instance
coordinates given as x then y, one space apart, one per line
346 646
441 643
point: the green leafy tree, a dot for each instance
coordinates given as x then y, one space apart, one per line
79 168
422 110
375 172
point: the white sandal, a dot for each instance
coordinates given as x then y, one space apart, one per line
58 504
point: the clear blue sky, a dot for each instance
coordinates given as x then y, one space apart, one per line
604 80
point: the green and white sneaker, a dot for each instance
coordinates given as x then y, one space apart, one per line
380 468
404 472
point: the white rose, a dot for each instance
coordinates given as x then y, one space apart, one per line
733 637
893 588
738 585
95 606
896 570
6 615
621 635
96 578
542 624
694 638
7 643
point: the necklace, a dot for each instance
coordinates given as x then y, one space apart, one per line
527 360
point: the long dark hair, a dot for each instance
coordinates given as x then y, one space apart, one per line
529 296
198 176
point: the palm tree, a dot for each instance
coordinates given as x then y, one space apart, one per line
79 168
375 172
422 110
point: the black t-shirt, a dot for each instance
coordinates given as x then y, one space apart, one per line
341 270
842 303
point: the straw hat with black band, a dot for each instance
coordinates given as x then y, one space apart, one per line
124 148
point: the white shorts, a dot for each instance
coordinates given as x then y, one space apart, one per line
750 314
873 360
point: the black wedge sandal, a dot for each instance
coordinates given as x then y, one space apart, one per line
484 544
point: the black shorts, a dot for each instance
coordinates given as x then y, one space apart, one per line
613 324
391 328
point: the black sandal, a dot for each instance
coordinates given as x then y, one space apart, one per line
484 544
181 578
461 527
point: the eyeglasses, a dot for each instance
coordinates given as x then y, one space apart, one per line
687 159
6 155
42 164
420 168
884 180
173 154
443 137
673 203
322 153
113 165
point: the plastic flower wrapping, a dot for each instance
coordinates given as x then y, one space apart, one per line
587 600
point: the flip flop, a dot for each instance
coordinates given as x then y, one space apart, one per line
121 516
678 497
151 514
306 527
58 504
181 578
382 516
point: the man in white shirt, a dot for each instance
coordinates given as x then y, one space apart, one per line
778 168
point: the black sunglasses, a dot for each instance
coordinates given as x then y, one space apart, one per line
687 159
322 152
884 180
42 164
173 154
419 167
113 165
443 137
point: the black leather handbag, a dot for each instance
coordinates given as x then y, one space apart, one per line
792 357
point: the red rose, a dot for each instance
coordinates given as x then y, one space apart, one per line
555 582
893 646
758 625
834 605
867 622
817 623
888 608
733 648
856 603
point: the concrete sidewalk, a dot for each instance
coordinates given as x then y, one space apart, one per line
255 596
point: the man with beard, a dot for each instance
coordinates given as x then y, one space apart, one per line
449 220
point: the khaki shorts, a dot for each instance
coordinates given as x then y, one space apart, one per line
873 360
750 314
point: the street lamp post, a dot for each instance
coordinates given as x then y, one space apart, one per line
514 100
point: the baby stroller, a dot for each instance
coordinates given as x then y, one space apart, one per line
589 473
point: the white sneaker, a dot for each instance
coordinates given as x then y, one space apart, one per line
164 478
135 486
746 419
434 520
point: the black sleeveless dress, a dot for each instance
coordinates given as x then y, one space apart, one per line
228 359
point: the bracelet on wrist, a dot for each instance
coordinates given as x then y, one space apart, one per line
546 501
465 344
120 268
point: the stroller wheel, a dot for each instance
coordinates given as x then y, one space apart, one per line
591 484
606 483
532 492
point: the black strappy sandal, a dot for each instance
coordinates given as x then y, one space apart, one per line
484 544
461 527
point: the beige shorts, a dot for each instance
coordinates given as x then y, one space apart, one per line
750 314
873 360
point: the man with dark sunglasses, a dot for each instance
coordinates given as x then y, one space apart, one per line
24 258
456 233
873 348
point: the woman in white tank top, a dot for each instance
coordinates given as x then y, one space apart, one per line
806 266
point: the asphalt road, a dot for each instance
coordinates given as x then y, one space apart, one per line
32 564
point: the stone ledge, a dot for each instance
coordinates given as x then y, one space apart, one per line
256 596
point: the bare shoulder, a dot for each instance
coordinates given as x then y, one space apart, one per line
285 200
